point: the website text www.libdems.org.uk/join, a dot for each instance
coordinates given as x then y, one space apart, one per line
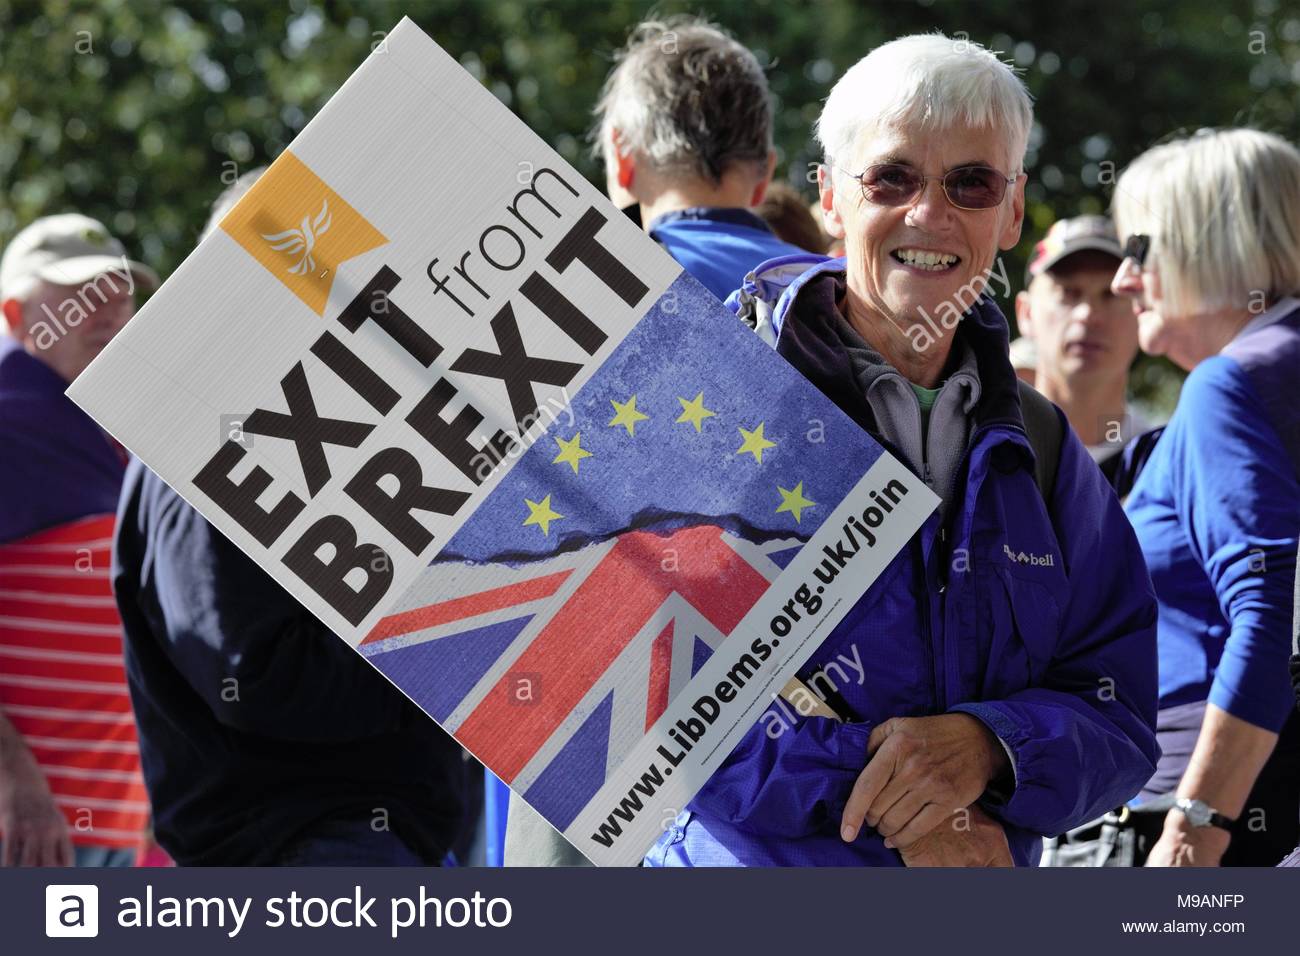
856 535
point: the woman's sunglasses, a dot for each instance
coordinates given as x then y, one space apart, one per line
1136 248
967 187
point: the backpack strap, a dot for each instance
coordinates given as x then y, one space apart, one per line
1132 459
1046 434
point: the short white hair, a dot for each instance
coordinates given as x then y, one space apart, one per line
932 81
1222 209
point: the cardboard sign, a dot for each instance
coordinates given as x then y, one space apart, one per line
486 430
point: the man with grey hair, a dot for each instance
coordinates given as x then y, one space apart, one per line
70 788
684 126
1012 687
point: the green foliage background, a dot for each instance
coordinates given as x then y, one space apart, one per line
132 110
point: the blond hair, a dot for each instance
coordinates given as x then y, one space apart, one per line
1222 208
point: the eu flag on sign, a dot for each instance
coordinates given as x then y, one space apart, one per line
622 548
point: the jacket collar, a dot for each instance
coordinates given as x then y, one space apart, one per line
714 214
21 372
1282 309
815 339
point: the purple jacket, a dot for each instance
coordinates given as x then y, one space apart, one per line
1035 617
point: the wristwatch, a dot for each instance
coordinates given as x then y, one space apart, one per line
1201 814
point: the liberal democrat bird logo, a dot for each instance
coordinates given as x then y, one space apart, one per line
304 259
302 241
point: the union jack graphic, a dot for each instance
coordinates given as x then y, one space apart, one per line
560 620
544 678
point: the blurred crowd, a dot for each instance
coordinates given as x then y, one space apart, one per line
1084 658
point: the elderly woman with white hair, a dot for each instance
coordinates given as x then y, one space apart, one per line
1009 686
1213 267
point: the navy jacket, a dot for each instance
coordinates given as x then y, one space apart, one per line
1035 617
255 720
58 464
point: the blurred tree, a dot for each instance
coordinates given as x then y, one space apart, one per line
139 111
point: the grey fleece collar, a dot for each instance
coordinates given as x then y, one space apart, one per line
934 453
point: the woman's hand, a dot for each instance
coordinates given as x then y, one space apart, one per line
970 837
922 770
1182 844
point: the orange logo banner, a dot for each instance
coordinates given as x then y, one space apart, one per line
299 229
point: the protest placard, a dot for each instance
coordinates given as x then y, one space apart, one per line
476 421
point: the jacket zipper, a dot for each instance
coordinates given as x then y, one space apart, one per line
927 624
950 660
946 668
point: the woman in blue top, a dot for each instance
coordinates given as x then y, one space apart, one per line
1212 263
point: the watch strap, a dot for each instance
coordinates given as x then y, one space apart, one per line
1213 817
1217 819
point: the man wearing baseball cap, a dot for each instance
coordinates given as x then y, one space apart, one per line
70 784
1084 336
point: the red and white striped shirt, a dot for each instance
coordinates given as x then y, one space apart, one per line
62 680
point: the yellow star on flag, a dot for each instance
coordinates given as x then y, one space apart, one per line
694 411
571 451
793 501
754 443
626 414
541 514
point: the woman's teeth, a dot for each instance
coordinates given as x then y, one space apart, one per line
927 261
